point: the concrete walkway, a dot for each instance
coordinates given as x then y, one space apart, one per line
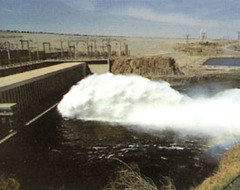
25 76
99 68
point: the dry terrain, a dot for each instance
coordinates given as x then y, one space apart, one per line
189 56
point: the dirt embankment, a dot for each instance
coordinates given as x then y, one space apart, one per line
216 48
201 48
227 177
149 67
165 68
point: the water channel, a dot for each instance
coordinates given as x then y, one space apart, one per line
54 153
223 62
58 154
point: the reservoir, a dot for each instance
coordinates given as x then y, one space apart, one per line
223 62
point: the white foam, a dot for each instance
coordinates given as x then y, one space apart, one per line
145 104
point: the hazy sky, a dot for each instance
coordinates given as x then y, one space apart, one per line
153 18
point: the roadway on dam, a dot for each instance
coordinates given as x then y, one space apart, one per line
29 75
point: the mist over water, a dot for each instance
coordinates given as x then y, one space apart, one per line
152 106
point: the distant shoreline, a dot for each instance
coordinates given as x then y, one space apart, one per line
90 35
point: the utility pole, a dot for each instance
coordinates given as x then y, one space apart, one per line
88 53
49 46
109 49
187 38
95 47
126 49
37 53
203 35
28 47
8 52
29 51
103 47
61 44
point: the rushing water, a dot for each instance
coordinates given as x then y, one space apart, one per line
152 106
79 154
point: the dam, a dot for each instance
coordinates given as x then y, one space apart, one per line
81 151
25 95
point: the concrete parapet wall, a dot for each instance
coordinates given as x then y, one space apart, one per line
102 63
36 94
26 67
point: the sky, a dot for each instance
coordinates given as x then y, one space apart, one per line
146 18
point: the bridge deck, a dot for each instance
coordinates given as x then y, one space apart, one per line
26 76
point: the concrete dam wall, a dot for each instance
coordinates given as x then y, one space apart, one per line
27 94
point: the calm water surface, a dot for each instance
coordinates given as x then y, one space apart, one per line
223 61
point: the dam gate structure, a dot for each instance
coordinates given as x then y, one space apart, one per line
25 95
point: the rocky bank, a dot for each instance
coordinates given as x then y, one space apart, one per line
149 67
166 68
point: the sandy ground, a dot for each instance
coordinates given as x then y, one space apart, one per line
138 46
